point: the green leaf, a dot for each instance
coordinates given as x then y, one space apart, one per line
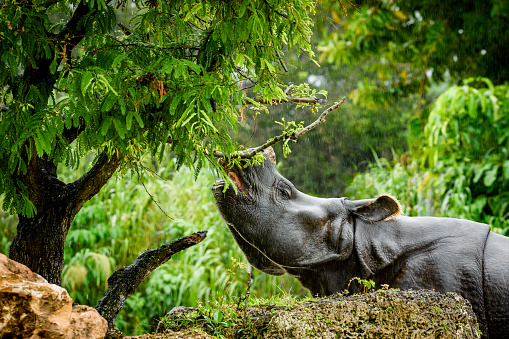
118 59
53 66
139 120
43 145
108 103
186 112
174 103
86 80
188 119
478 172
196 68
506 169
106 125
490 176
129 120
119 127
243 7
122 105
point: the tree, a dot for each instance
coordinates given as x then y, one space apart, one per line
409 44
78 78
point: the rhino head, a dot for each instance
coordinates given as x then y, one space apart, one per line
280 229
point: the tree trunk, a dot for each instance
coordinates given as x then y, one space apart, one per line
39 242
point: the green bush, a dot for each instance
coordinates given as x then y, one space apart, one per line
460 168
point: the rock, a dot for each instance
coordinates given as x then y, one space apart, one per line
11 267
86 323
381 314
30 307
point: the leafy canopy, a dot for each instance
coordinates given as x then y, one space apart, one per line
81 77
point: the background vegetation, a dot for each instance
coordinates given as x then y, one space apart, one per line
420 123
122 221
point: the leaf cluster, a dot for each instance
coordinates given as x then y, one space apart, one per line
86 77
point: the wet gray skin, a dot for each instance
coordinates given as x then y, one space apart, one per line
326 242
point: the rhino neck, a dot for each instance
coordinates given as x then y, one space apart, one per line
385 249
324 280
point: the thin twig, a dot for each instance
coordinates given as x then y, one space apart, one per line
290 85
320 120
140 180
155 201
275 10
249 153
291 99
354 6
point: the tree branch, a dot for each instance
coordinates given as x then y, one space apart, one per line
91 182
249 153
124 281
74 30
320 120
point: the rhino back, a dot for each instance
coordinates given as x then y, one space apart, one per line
496 285
443 254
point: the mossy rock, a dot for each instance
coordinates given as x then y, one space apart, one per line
380 314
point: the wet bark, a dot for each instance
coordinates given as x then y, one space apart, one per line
124 281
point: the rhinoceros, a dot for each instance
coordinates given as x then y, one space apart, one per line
324 243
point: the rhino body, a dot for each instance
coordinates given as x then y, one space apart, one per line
324 243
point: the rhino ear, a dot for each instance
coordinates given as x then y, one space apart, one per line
382 208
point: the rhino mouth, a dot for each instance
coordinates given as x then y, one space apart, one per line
235 177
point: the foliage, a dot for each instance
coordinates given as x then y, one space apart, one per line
170 72
367 284
467 146
460 168
409 44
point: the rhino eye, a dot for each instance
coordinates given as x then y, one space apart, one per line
284 192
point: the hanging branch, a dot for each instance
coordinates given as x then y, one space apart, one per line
124 281
249 153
